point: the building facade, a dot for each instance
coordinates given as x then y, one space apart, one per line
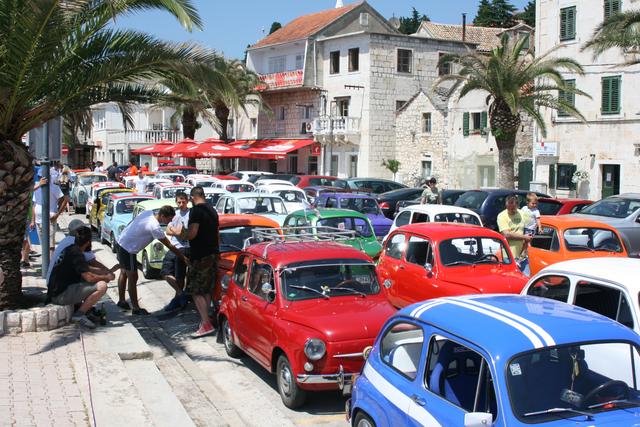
607 145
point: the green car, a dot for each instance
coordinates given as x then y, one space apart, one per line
150 258
337 219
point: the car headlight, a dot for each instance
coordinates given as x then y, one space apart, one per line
315 349
157 246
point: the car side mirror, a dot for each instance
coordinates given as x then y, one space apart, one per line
429 267
224 282
267 289
478 419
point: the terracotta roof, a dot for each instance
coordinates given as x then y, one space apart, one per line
304 26
485 37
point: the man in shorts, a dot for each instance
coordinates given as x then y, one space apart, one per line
73 281
173 269
203 236
135 237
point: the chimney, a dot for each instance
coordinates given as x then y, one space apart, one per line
339 4
464 27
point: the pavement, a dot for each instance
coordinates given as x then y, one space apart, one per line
143 371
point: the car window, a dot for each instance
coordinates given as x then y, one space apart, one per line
605 300
331 202
613 207
473 250
403 218
549 207
401 348
419 217
359 225
552 286
261 273
240 271
591 239
578 208
547 240
457 217
395 246
419 251
362 205
460 375
473 199
228 209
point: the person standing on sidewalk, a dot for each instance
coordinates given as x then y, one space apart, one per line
203 236
56 207
135 237
141 183
511 223
174 269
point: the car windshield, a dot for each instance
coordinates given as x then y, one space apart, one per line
362 205
472 199
572 379
359 225
464 218
291 196
204 184
549 207
126 206
232 238
261 205
329 182
329 279
170 193
473 250
212 198
591 239
613 207
90 179
239 188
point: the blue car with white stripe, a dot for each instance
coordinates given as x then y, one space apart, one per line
499 360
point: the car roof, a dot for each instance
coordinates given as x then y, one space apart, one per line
283 254
448 230
437 209
329 213
173 184
251 195
238 220
278 187
157 203
120 196
345 195
505 325
105 184
620 270
570 221
564 200
214 190
626 196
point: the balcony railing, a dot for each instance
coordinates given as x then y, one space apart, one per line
142 136
336 126
281 80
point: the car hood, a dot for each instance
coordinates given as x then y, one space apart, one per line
341 318
614 222
122 219
486 278
279 218
379 220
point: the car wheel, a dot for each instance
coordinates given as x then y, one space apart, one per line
292 396
114 245
147 271
227 338
363 420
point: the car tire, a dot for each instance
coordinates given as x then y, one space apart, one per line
114 245
292 396
227 339
147 271
363 420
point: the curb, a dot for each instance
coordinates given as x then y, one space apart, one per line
37 319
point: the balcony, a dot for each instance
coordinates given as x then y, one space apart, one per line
341 129
142 136
284 80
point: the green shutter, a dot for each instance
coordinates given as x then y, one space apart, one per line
568 97
483 123
611 93
568 23
611 7
465 124
552 176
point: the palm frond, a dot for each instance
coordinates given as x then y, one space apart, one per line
620 30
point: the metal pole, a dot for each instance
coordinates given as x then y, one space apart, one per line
45 192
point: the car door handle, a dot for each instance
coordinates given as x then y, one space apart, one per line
418 400
244 298
401 267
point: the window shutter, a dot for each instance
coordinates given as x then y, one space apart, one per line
483 123
568 23
552 176
615 94
572 170
465 124
611 88
611 7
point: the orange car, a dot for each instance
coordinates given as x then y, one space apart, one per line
234 230
564 238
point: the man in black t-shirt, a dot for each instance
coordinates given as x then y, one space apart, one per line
72 280
203 240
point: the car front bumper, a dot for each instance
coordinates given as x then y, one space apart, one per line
342 379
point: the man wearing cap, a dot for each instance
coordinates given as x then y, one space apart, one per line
431 195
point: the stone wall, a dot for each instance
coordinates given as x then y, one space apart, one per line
269 125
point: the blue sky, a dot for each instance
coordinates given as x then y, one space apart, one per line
231 25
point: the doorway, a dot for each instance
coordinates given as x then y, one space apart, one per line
525 174
486 176
610 180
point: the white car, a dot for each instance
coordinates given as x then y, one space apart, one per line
267 182
236 186
202 181
169 190
245 175
152 183
271 207
213 194
174 177
434 213
294 198
606 285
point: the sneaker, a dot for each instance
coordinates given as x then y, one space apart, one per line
83 320
174 304
203 331
124 305
25 264
139 312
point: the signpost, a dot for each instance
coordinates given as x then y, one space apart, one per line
545 149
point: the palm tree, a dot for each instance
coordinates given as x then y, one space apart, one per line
60 57
620 30
515 82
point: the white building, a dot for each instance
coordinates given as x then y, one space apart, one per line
607 146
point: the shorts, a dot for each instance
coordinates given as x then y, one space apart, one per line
75 294
53 227
202 275
174 266
126 260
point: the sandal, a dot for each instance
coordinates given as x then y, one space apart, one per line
124 305
139 312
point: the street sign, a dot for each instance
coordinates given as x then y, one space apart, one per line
37 143
64 150
545 149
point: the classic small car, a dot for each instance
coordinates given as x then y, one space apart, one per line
315 191
435 213
499 360
608 286
294 198
368 185
244 203
304 311
432 260
304 181
213 194
169 190
100 205
362 203
172 176
117 215
561 206
236 186
270 181
201 180
318 221
80 191
245 175
620 211
95 188
567 237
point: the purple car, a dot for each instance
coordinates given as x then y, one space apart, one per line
362 203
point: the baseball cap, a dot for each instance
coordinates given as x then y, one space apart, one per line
75 225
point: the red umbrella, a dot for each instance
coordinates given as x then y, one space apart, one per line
175 149
153 149
210 150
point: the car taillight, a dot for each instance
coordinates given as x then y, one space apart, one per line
384 205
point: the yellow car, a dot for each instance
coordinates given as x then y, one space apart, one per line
100 205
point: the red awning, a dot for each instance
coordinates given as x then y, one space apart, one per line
153 149
272 148
177 148
209 150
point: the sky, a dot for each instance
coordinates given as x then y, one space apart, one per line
229 26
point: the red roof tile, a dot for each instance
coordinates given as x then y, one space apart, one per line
304 26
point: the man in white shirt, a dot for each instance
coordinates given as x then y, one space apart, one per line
56 207
141 183
173 269
135 237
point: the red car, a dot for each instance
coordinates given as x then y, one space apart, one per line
305 311
431 260
304 181
548 206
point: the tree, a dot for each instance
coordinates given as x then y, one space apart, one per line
497 13
275 27
409 25
58 58
392 165
515 83
620 30
528 15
